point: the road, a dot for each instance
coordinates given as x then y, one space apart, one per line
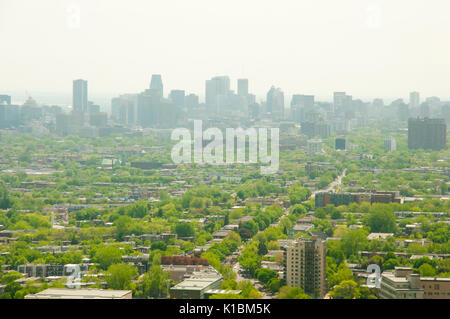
336 182
237 267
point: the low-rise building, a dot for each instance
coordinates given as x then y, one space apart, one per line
196 286
401 284
89 293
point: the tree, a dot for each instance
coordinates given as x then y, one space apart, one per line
155 283
105 256
262 248
248 291
10 277
381 219
426 270
348 289
274 285
320 213
250 260
265 275
119 276
5 201
353 241
342 274
184 229
298 194
159 245
292 293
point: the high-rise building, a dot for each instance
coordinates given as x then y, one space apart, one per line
154 112
275 103
427 133
9 115
5 99
98 119
414 99
402 112
340 143
177 97
191 101
156 86
314 146
242 87
63 124
390 144
80 96
305 261
124 109
341 101
425 110
445 112
217 91
302 100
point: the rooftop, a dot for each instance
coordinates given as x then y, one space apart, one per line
90 293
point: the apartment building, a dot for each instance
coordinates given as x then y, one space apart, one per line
305 262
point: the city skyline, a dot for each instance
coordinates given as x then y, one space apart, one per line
65 98
371 48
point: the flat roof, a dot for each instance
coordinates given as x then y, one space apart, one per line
198 281
89 293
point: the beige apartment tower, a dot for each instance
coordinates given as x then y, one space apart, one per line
306 265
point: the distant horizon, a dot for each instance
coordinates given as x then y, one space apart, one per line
64 98
368 48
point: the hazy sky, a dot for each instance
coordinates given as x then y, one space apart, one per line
366 48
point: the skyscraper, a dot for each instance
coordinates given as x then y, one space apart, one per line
306 101
414 99
427 133
80 96
156 86
177 97
390 144
5 99
242 87
305 261
275 103
217 91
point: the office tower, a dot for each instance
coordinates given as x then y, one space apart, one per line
402 112
80 96
305 261
340 100
275 103
254 111
98 119
93 108
154 112
5 99
445 112
425 110
427 133
242 87
314 146
191 101
124 109
414 99
340 143
156 86
9 116
302 100
63 123
390 144
378 103
297 113
177 97
217 91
